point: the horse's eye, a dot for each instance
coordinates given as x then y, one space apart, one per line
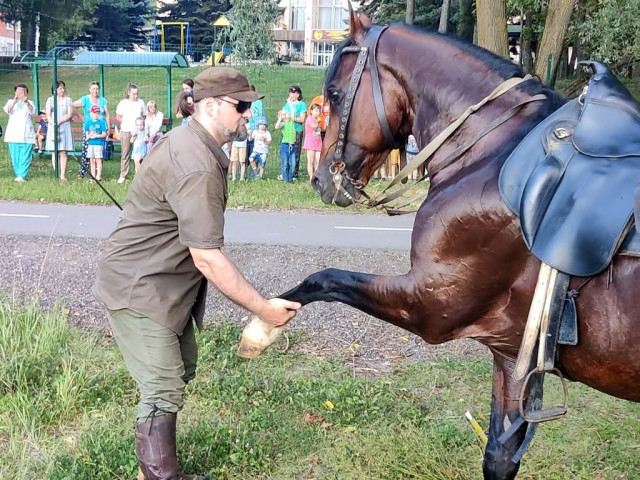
334 96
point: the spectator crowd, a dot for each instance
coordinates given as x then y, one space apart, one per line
138 126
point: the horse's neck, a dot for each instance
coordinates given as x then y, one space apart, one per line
440 88
441 80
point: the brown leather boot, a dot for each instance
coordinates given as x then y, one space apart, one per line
156 450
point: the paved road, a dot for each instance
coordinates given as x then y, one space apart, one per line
269 228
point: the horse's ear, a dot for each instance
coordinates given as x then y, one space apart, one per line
358 24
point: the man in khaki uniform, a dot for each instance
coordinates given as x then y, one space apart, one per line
153 274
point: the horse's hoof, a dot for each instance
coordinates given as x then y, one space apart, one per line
257 336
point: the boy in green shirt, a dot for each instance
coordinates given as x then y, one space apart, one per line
287 145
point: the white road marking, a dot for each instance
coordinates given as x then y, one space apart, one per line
23 215
389 229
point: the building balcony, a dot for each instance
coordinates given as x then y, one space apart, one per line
289 35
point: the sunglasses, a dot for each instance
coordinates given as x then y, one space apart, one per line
241 106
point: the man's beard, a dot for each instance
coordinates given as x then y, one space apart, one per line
238 135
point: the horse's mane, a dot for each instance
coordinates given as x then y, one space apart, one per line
332 70
503 67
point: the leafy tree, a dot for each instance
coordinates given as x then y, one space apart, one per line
200 14
426 12
55 19
86 20
252 35
532 14
555 30
610 31
464 20
121 21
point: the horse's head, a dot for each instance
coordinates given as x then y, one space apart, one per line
362 127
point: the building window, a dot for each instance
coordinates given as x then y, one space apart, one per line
8 48
9 26
297 14
295 50
323 53
332 15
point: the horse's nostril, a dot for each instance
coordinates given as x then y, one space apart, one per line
315 183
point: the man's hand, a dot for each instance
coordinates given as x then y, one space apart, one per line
279 311
226 277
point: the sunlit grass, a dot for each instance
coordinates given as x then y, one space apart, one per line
41 186
67 407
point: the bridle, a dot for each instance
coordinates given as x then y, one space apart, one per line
338 168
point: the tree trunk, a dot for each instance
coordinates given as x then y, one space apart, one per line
492 26
465 20
526 55
576 47
555 29
444 17
410 13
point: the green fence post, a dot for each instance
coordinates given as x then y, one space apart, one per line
101 80
36 85
54 80
169 114
549 61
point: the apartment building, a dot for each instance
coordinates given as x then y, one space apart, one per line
9 39
310 30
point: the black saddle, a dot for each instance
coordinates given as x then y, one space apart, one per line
571 180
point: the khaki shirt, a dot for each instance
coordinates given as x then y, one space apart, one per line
176 201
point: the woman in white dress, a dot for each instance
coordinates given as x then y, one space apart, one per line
65 135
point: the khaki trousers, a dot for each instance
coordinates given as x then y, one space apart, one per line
159 360
125 153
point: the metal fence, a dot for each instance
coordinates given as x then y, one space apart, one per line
37 72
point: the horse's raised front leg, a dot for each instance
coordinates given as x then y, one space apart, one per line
389 298
329 285
498 464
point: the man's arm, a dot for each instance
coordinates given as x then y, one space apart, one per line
226 277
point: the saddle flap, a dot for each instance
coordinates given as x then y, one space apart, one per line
538 193
574 208
609 124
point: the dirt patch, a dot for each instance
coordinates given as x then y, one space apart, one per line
62 269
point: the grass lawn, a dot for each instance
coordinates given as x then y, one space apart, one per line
270 193
272 81
67 406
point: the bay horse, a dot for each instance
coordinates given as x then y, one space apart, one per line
471 274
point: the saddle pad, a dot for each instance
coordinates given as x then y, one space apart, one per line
631 245
574 208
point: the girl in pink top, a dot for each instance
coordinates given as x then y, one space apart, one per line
312 139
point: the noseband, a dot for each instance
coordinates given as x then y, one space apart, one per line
338 167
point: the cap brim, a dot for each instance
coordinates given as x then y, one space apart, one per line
246 96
